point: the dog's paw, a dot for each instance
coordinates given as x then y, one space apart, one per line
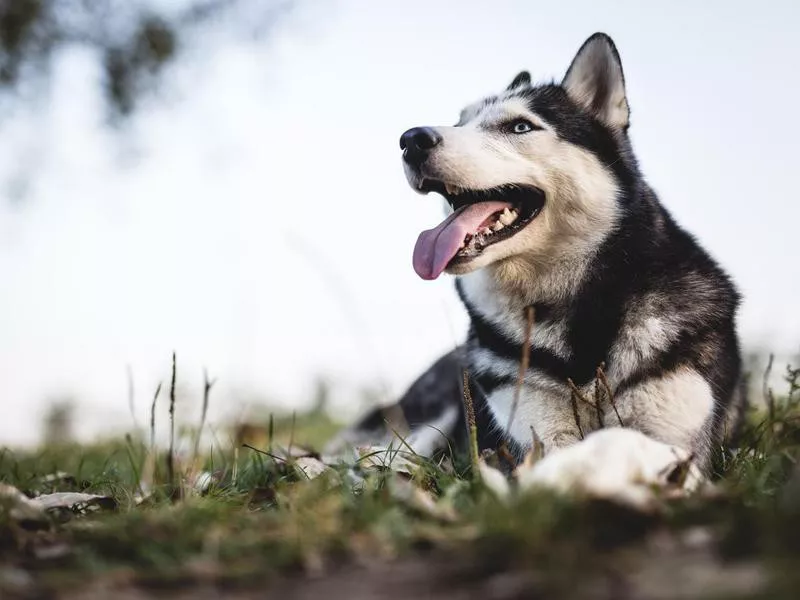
617 464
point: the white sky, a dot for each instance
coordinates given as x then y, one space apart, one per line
259 222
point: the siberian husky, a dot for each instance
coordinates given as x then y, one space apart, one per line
566 261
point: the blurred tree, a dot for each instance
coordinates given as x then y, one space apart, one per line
134 39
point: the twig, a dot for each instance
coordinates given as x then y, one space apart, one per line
471 423
601 375
573 397
523 366
153 418
170 456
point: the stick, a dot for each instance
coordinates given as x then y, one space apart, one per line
523 366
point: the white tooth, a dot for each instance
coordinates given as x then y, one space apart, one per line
498 226
506 211
448 189
486 231
506 219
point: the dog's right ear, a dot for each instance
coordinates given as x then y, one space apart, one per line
523 78
595 81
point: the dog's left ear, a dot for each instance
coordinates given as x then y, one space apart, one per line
595 81
523 78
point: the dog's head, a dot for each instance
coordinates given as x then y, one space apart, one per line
529 173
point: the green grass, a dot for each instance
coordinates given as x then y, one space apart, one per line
263 522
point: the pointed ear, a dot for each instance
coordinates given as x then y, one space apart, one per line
523 78
595 81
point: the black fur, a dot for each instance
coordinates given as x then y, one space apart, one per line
648 254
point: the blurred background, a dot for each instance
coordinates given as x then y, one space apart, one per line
222 179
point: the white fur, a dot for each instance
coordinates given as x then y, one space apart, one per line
615 464
672 409
645 331
507 313
580 208
428 438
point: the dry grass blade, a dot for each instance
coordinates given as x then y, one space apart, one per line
601 377
265 453
131 396
291 432
171 455
600 419
523 366
153 418
471 424
577 393
575 414
769 397
207 385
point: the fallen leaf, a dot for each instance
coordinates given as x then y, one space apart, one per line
420 500
311 467
397 460
73 502
20 507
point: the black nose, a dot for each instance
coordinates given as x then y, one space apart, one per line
417 142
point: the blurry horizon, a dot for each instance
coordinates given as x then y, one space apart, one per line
253 217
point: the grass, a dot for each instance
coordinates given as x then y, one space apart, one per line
263 522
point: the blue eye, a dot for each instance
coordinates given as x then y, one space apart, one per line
521 126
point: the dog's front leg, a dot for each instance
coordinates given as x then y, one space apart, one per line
546 415
676 408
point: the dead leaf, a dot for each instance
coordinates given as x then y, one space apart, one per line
420 500
311 467
20 507
67 503
397 460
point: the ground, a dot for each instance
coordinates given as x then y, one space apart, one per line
263 514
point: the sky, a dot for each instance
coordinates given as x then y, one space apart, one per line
255 218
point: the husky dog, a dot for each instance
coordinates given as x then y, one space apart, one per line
566 261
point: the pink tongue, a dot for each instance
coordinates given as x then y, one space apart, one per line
436 247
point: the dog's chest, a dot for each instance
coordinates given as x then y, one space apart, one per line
506 324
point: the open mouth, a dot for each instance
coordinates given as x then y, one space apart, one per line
480 218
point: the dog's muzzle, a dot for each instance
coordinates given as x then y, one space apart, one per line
417 143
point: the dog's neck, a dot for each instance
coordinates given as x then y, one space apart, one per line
522 281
